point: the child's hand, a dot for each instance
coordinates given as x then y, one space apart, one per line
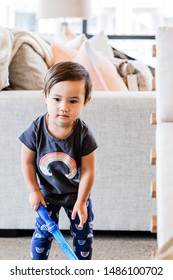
35 198
80 208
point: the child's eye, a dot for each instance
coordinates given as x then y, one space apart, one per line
56 99
73 101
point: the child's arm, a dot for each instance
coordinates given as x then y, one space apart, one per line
85 186
29 173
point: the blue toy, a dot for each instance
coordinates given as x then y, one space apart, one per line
54 230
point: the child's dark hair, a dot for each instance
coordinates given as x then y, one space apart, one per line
67 71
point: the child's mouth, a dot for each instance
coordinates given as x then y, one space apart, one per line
63 116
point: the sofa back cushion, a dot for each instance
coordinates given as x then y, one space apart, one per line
164 76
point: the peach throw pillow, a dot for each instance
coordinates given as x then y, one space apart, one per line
62 53
103 73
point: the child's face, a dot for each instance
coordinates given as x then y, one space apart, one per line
66 101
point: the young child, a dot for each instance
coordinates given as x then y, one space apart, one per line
58 159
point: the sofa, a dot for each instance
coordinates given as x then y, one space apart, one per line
164 143
119 114
121 192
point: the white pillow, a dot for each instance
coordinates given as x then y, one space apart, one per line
76 42
100 42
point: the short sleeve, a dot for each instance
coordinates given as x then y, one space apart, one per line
89 142
28 137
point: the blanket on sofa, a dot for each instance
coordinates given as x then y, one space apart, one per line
10 41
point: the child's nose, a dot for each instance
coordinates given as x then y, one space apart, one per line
64 106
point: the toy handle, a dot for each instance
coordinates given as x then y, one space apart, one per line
44 215
54 230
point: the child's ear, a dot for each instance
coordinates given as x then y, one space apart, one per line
87 100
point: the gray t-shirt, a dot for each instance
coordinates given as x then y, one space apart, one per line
58 161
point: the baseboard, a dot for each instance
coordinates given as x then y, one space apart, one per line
14 232
8 232
125 233
26 232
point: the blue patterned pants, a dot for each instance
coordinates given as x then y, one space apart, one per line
82 238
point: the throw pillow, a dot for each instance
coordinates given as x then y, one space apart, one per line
66 52
145 77
27 69
86 60
127 67
76 42
100 42
62 53
103 73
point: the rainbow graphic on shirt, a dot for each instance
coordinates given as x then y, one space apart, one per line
58 156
